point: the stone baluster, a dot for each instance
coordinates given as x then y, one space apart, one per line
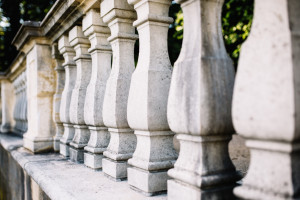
100 50
25 102
40 91
199 107
70 77
119 16
60 82
147 102
266 102
16 106
7 103
81 44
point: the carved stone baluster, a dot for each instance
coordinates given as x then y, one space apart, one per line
70 77
147 102
100 50
60 82
199 107
119 16
266 102
81 44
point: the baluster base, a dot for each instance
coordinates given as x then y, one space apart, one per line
93 161
81 137
147 182
38 145
76 155
178 190
273 172
115 170
64 149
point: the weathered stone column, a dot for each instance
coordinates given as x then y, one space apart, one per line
60 82
40 90
7 103
70 77
81 44
119 15
100 50
266 102
199 107
147 102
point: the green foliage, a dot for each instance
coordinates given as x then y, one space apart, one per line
237 18
236 23
13 13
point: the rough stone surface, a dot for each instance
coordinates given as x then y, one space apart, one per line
41 129
20 107
199 104
76 154
59 179
7 103
266 102
118 13
93 161
97 32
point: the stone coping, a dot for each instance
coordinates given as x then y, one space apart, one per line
62 179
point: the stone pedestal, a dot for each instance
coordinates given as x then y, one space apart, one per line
97 32
199 107
119 17
147 102
121 147
7 103
80 44
60 82
39 136
265 105
76 154
70 77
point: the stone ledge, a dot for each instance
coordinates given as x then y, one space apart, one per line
61 179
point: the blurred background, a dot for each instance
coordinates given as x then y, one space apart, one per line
236 23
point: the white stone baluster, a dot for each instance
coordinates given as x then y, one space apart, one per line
266 102
81 44
70 78
147 102
199 107
40 91
7 103
119 15
60 82
100 50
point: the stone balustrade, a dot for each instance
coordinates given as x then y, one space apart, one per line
88 101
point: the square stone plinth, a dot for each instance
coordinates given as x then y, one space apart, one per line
178 190
38 146
149 183
93 161
116 170
64 150
76 155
